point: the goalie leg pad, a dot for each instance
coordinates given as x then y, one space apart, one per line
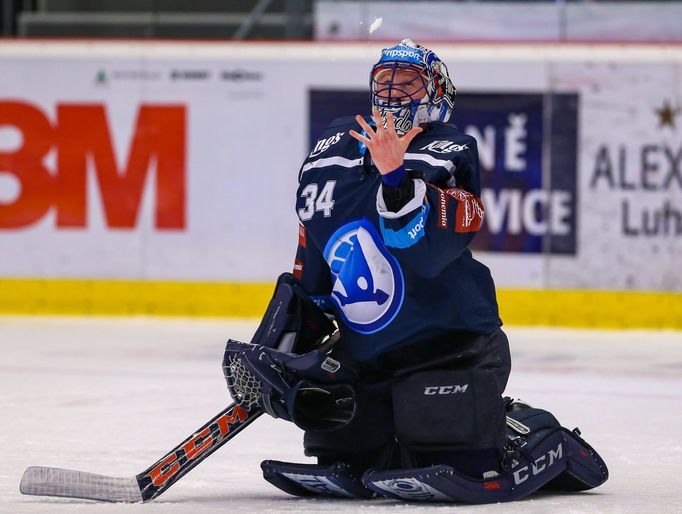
336 480
585 469
534 466
541 455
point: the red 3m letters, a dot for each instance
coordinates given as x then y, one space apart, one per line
80 135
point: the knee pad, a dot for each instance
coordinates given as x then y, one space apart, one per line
454 410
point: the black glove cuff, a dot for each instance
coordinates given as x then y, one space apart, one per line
396 198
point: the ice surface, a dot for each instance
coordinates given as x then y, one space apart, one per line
111 396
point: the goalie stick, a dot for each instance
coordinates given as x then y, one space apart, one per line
144 487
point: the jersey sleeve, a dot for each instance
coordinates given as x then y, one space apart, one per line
433 229
436 224
451 160
466 172
311 270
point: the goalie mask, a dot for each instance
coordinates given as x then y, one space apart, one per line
411 82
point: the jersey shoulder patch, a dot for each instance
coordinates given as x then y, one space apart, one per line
335 147
437 153
444 140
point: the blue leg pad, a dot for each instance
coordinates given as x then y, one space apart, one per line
541 455
585 469
445 484
336 480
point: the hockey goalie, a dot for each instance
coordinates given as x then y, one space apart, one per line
405 397
385 344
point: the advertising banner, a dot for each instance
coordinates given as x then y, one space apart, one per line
527 211
629 176
178 163
165 169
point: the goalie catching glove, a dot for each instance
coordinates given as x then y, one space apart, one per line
312 390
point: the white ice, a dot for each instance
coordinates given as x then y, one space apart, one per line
111 396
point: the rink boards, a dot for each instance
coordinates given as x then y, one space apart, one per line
160 178
566 308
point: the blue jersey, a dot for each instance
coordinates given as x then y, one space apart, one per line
394 278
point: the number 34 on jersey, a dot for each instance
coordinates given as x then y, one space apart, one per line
317 200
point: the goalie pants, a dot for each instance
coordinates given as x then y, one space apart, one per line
438 401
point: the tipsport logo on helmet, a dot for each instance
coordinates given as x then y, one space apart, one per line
368 282
402 54
405 51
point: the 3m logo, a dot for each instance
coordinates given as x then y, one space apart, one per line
81 140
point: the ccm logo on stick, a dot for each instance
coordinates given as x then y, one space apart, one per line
448 389
196 445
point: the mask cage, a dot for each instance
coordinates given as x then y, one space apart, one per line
386 93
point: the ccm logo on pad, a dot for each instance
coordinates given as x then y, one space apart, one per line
448 389
538 465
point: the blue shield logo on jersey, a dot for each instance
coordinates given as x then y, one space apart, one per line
368 285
